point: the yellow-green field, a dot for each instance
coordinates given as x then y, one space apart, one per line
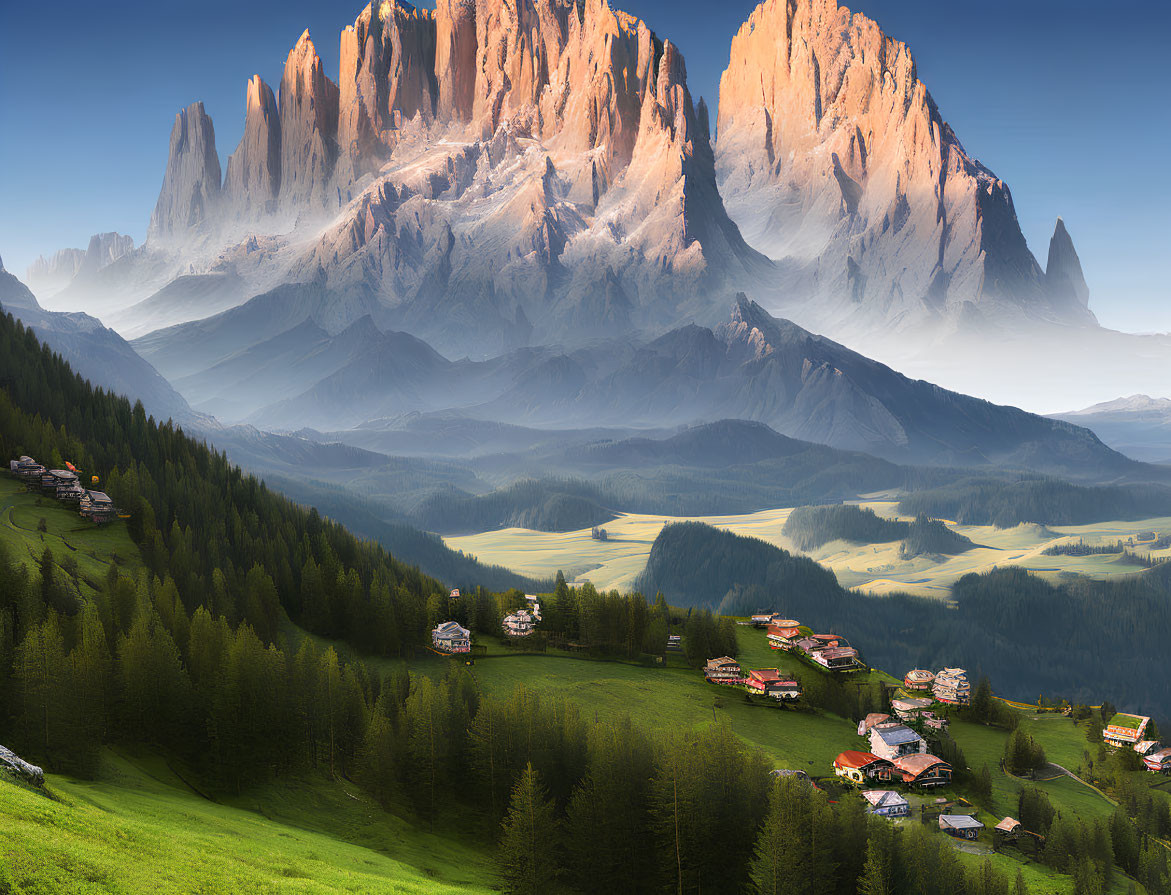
872 568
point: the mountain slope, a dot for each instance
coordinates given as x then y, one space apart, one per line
833 156
97 353
1139 425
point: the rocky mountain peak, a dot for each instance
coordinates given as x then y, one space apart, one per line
832 155
253 180
190 193
308 105
1063 270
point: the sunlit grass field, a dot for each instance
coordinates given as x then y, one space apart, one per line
872 568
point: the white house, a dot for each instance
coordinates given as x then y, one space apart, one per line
520 624
885 803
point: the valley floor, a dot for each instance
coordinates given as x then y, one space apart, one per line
871 568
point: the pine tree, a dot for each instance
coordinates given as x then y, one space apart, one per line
878 873
377 764
45 687
529 841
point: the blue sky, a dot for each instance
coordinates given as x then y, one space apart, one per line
1066 100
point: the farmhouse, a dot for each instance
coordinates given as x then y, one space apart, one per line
58 478
450 637
783 636
724 670
910 707
1009 828
70 493
1158 761
1125 730
885 803
891 742
858 767
788 688
918 679
923 770
952 687
961 826
836 658
26 468
519 624
871 720
96 506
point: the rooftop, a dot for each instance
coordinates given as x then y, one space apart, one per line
917 764
896 736
855 759
960 822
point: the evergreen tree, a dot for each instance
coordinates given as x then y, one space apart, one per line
529 842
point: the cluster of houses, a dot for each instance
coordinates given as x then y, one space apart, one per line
950 686
1126 730
830 651
65 485
762 681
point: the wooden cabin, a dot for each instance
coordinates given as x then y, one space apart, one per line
961 826
886 803
923 770
836 658
451 637
783 636
724 670
858 767
96 506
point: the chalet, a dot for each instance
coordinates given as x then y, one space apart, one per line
858 767
770 682
58 478
885 803
724 670
1158 761
918 679
96 506
836 658
450 637
28 469
1142 748
809 645
923 770
763 620
951 686
783 636
891 742
1125 730
520 624
674 643
871 720
910 707
961 826
787 689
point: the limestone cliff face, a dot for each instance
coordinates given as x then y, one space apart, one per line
386 75
308 122
189 197
253 179
832 154
48 276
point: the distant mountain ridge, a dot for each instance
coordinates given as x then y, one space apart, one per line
751 367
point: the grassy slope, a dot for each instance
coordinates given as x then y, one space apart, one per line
139 829
67 534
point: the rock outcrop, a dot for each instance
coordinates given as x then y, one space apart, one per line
308 120
1063 271
48 276
253 180
833 156
20 769
189 198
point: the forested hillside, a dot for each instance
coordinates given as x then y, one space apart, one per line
1005 502
1086 640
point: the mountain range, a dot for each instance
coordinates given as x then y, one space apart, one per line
515 214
